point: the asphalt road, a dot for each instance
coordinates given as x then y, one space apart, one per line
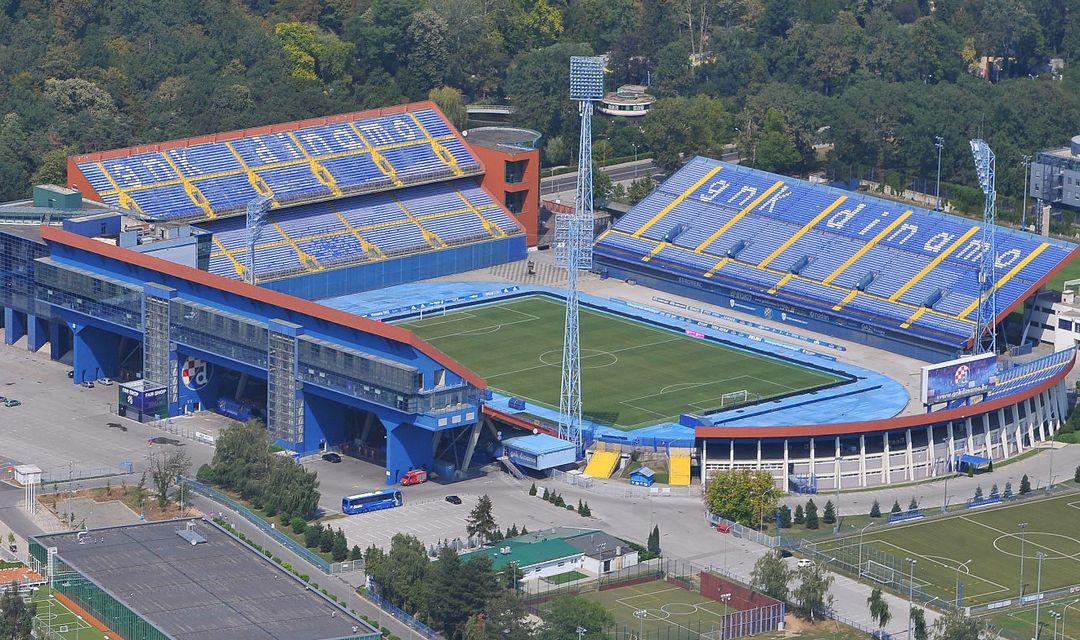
617 173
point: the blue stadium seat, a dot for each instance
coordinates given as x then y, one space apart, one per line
901 257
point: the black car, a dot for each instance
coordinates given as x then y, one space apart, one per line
71 374
331 457
453 499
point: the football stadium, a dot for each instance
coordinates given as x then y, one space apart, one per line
373 283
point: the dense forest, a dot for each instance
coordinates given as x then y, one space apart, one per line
872 80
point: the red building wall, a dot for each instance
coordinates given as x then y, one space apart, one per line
495 183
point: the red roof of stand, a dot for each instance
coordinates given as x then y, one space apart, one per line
902 422
252 292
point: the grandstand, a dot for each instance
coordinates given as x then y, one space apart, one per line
849 264
197 179
371 192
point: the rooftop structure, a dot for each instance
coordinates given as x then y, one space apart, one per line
1055 176
629 100
189 580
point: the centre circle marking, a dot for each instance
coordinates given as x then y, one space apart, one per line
1049 554
673 609
590 358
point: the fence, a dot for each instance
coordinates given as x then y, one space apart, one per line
621 490
742 531
752 612
279 537
72 473
169 425
399 614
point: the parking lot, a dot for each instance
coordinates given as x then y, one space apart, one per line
64 428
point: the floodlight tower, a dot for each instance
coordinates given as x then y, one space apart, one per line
987 310
256 220
573 242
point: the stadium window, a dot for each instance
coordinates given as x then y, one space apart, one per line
515 201
515 171
1065 324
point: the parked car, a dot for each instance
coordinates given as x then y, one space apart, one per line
804 562
105 382
330 456
453 499
89 384
12 403
71 373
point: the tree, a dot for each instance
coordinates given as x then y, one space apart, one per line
356 553
994 491
313 535
978 493
1008 491
771 575
829 516
812 597
875 510
313 54
450 102
536 84
428 56
165 467
957 626
879 608
800 517
913 505
679 128
532 489
1025 485
512 532
16 616
653 544
785 516
1076 475
481 522
811 514
774 150
896 507
326 541
567 613
639 188
340 549
583 509
298 525
741 495
918 624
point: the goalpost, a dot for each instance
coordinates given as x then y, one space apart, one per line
734 399
880 572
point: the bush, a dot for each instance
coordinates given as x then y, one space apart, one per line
875 510
1025 485
313 535
532 489
895 507
913 505
326 540
205 474
356 553
298 525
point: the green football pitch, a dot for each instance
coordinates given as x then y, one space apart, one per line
54 621
633 374
981 548
670 611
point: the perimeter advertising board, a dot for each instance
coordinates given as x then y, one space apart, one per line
958 378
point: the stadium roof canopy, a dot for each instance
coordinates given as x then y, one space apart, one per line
217 589
853 258
299 162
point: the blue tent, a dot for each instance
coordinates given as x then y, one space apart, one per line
642 477
968 461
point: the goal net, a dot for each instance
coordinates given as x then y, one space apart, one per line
734 399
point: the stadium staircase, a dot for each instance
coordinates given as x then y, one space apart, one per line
679 467
602 463
511 467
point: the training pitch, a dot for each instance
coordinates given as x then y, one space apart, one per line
990 538
633 374
57 622
670 610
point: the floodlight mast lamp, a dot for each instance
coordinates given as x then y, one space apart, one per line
985 339
573 243
256 220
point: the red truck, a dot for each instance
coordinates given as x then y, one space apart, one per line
416 476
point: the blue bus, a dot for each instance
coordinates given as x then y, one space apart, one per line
372 501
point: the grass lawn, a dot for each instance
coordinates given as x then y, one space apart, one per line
633 374
563 578
990 539
670 610
63 622
1020 623
1071 271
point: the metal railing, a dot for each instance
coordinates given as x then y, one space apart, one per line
401 615
743 531
72 473
330 568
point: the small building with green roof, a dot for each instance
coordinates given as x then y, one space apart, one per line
558 550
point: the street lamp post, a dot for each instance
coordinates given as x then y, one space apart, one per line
641 614
580 632
1023 214
958 568
861 532
1056 616
1064 613
910 593
1038 591
945 495
939 142
1022 526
